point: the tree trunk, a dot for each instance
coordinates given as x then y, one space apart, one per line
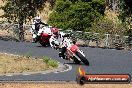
21 30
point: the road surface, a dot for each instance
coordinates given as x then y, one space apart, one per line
102 61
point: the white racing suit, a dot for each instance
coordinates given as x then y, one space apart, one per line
33 31
36 33
45 29
58 41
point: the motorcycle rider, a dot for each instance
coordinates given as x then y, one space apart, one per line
59 40
35 27
56 41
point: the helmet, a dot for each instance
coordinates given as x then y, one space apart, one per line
37 19
55 31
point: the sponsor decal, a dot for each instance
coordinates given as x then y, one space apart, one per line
83 78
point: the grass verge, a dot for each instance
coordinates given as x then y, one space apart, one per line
20 64
50 62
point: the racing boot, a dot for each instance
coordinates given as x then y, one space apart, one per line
62 58
34 39
65 58
37 39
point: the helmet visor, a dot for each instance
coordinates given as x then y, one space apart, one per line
37 20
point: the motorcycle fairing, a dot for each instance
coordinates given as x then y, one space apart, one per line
45 37
74 48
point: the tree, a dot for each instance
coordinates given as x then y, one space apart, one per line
125 12
19 11
76 14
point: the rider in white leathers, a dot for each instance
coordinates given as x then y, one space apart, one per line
36 26
45 29
56 41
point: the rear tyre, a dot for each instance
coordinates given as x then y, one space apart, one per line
83 59
42 43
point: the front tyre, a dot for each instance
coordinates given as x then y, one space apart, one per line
83 59
76 60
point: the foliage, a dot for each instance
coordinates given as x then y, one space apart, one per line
20 10
108 26
76 14
50 62
125 13
46 59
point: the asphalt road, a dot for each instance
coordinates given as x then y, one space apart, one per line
102 61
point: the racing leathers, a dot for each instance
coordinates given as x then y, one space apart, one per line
57 42
35 28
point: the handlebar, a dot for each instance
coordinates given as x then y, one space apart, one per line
68 35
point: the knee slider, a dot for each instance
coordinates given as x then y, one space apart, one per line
60 54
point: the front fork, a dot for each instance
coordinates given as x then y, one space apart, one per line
71 54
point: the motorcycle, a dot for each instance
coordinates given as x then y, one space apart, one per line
73 53
45 34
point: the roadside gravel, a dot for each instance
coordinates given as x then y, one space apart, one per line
62 85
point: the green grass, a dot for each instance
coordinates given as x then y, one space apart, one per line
20 64
50 61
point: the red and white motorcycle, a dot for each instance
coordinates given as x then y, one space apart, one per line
45 34
73 52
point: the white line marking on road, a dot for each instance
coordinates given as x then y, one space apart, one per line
43 73
25 74
56 72
9 75
69 68
113 49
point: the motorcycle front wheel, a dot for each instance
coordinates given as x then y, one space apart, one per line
83 59
76 60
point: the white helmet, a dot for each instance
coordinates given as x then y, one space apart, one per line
37 19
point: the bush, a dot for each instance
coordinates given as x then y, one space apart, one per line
107 26
46 59
76 14
50 62
53 63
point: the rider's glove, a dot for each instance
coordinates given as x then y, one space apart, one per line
67 35
56 47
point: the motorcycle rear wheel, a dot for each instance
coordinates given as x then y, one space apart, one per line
83 59
43 43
